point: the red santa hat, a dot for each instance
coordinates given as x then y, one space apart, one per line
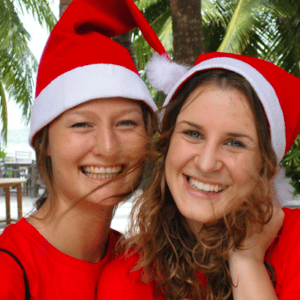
278 91
81 62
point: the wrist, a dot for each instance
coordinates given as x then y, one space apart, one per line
246 255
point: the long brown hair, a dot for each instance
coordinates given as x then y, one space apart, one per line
170 252
44 166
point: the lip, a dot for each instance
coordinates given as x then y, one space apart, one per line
201 194
102 166
205 181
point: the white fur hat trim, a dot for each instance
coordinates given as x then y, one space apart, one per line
162 73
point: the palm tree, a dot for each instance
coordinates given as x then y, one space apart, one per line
63 5
17 63
187 30
267 29
260 28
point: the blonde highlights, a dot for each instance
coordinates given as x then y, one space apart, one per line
169 251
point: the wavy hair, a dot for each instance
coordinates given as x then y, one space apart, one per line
170 253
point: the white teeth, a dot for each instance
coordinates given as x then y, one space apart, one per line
205 186
101 172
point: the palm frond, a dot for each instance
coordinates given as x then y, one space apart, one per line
3 113
13 35
162 25
239 28
216 11
144 4
17 78
285 37
40 10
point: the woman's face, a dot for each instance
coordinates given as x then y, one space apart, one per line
92 143
213 158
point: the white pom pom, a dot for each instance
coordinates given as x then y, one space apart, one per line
284 190
162 74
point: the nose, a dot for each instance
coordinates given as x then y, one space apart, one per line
208 158
105 142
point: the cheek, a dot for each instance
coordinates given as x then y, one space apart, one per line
180 153
174 159
66 150
134 145
240 166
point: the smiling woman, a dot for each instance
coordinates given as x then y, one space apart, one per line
209 225
91 122
93 143
213 154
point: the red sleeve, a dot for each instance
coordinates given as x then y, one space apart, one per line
117 282
287 257
12 286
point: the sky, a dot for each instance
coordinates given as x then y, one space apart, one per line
39 37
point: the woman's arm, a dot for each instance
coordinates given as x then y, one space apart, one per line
250 277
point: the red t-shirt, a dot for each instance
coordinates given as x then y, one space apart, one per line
119 281
51 273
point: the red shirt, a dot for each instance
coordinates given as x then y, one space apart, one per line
118 281
51 273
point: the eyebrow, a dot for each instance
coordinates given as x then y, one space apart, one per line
121 112
229 134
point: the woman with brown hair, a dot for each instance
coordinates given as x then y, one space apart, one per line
90 124
206 227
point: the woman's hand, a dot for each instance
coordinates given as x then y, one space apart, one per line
249 275
258 241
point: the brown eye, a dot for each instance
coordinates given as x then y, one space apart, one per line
127 123
81 125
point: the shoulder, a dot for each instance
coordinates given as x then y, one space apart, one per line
291 213
289 233
15 235
291 223
121 279
123 264
20 239
11 278
285 256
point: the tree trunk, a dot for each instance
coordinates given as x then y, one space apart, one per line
187 30
125 40
63 5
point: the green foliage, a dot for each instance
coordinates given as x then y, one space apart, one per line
158 14
17 64
268 29
2 153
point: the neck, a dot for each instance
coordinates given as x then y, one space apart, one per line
81 231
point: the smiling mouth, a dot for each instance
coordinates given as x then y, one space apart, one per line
102 172
205 187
